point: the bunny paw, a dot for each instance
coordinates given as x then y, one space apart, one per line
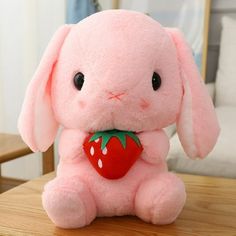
160 200
68 203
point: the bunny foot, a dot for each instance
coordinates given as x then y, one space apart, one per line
160 200
68 203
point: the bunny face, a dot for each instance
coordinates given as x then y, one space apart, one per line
118 61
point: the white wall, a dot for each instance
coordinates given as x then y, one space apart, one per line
25 29
105 4
219 9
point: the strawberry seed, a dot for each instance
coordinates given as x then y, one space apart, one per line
104 151
92 151
100 163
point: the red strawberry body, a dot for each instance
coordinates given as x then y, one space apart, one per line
112 153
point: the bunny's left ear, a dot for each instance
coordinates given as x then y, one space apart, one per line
197 124
36 123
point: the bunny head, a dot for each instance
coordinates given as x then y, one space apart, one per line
118 69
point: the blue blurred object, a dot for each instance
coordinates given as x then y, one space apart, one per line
79 9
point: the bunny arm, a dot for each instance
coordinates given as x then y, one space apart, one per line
71 145
155 146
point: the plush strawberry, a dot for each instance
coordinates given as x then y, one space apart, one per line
113 152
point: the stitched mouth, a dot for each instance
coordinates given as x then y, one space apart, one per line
115 96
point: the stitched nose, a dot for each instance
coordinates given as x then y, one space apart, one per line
117 96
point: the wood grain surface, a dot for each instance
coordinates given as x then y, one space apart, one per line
210 210
12 147
9 183
48 160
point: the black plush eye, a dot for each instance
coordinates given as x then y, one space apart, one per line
79 80
156 81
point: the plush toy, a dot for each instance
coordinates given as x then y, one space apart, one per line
113 82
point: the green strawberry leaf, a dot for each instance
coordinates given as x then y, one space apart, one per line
105 140
134 137
95 136
122 138
121 135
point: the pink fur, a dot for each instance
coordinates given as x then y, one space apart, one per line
199 138
117 51
37 124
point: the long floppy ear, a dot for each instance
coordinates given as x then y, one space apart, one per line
36 123
197 124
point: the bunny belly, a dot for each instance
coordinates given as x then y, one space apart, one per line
112 197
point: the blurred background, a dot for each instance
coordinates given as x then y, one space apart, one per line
26 27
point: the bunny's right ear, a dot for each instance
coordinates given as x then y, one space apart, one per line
36 123
197 124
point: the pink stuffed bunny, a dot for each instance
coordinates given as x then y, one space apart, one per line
120 70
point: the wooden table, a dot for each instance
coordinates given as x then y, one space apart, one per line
210 210
12 147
